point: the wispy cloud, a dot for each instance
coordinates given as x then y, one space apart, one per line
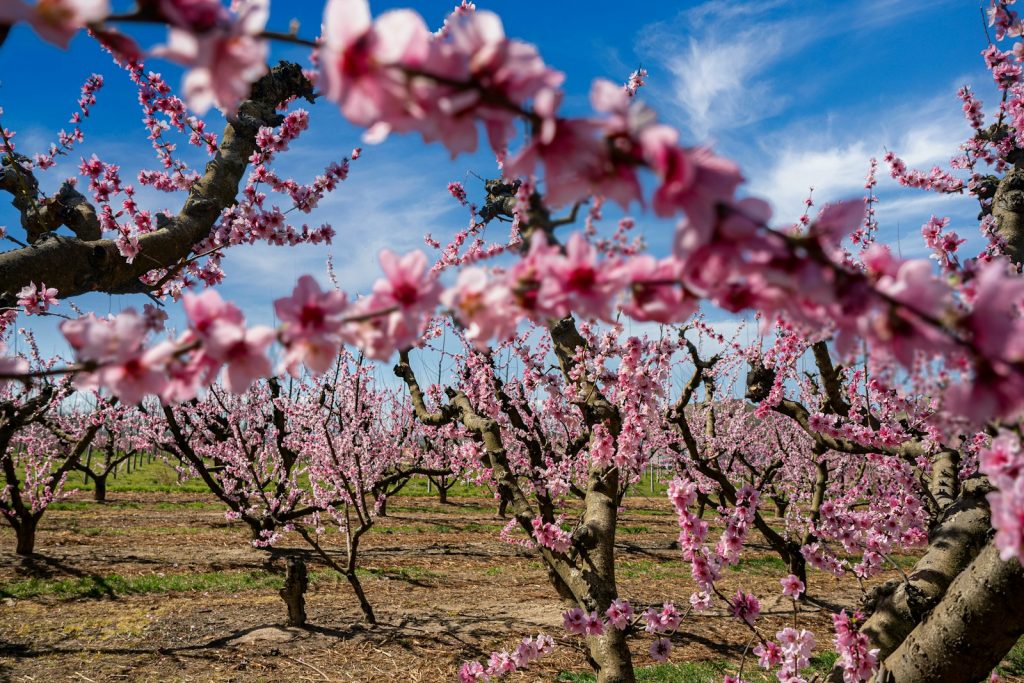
834 159
720 75
723 57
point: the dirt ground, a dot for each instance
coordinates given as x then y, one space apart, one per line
444 587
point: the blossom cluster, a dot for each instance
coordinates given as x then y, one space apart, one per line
857 661
502 663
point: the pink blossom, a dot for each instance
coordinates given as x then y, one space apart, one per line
193 15
482 306
661 649
594 626
11 365
55 21
408 284
656 294
619 613
700 601
575 621
472 672
396 313
577 282
693 180
768 654
206 309
746 607
311 325
37 300
792 586
359 59
223 61
244 351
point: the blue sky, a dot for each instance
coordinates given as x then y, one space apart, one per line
800 93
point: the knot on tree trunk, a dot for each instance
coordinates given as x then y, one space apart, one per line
760 380
874 597
296 581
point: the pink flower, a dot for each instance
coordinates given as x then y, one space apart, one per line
244 351
576 282
476 50
657 294
792 586
137 376
500 663
206 309
115 345
693 180
574 160
223 61
11 365
359 56
409 286
155 317
661 649
768 655
472 672
746 607
311 320
837 221
483 307
396 313
619 613
575 621
700 601
524 278
594 626
55 21
37 300
193 15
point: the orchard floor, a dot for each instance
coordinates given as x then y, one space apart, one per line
159 587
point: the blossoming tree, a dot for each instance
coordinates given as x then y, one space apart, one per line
939 344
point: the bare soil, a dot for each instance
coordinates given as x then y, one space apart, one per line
445 588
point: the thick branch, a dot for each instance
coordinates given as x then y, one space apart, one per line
76 266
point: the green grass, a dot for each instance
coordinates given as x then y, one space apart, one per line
1013 663
634 569
642 489
759 565
689 672
417 486
646 512
149 477
154 530
116 584
634 529
706 672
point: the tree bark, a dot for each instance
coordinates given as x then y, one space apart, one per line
296 581
25 533
897 607
611 658
99 492
75 265
970 631
1008 209
364 604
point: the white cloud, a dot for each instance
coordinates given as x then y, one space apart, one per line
834 159
719 74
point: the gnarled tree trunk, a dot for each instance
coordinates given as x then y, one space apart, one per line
970 631
25 533
296 581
